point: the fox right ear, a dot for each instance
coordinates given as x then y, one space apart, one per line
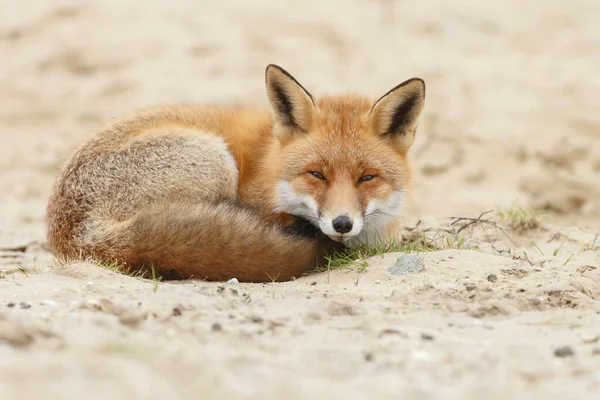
395 115
291 104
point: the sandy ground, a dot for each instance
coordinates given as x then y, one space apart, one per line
511 118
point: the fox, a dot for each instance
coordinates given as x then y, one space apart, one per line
200 191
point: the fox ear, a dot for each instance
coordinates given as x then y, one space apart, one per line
395 115
291 104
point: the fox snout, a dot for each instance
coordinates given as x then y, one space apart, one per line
342 227
339 216
342 224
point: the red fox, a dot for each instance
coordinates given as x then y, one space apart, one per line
209 193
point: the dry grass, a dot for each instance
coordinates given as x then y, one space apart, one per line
521 219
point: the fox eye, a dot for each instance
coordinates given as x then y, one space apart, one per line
317 175
366 178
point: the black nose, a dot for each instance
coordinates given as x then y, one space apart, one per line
342 224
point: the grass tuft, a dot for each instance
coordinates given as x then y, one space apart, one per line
521 219
358 254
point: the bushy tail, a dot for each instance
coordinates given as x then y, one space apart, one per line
212 241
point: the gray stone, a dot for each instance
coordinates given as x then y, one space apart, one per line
406 264
564 351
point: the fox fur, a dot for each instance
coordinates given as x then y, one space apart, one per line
195 191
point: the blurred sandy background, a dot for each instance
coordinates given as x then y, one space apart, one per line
511 115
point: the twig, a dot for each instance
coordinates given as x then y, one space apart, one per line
479 220
473 221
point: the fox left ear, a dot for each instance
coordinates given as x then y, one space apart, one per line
291 104
395 115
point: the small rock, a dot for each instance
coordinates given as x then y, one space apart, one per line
470 287
24 305
10 305
596 352
492 277
276 324
233 281
132 319
590 339
406 264
369 357
216 327
393 331
427 337
176 312
256 319
234 292
314 283
564 351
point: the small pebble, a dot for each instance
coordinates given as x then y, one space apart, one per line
216 327
176 312
405 264
233 280
427 336
25 306
10 305
596 352
492 278
564 351
590 339
314 283
393 331
369 357
234 292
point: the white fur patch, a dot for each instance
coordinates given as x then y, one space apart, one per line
380 214
302 205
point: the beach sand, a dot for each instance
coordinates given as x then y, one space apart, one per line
506 308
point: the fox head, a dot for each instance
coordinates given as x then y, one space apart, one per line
343 159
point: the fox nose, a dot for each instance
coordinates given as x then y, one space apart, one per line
342 224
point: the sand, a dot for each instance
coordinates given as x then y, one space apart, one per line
506 308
